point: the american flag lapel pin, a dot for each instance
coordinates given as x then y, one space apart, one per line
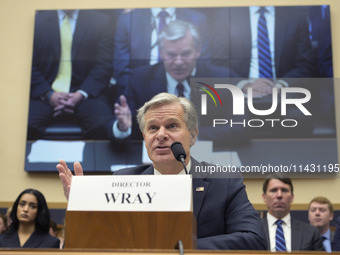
199 188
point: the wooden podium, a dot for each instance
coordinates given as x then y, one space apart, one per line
130 212
135 230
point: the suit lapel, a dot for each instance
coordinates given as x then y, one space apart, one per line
240 40
54 31
141 18
279 37
13 240
200 188
266 230
85 20
159 83
149 170
34 241
296 235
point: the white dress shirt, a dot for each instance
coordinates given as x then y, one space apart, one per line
286 227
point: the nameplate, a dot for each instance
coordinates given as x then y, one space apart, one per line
131 193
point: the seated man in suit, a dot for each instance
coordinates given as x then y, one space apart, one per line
137 34
320 214
283 232
225 217
71 70
264 45
180 48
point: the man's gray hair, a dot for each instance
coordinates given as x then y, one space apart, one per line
190 113
178 29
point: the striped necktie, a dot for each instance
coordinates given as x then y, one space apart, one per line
265 60
62 82
280 242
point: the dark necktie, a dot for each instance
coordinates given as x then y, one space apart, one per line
180 90
265 60
162 20
326 244
280 242
162 23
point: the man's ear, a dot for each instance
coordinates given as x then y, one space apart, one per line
193 136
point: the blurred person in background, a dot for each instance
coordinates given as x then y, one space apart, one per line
3 223
320 214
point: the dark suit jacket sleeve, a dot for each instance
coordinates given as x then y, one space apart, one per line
243 229
336 240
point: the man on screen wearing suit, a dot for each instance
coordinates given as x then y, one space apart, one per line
71 69
284 233
137 35
225 217
180 49
236 42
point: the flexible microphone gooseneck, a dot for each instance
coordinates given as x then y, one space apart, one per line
179 153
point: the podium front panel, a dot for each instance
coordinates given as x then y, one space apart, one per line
136 230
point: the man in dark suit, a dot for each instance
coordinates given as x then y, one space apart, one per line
235 45
225 217
137 35
297 236
89 41
180 49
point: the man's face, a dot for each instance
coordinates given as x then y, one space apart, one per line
319 215
164 125
180 57
278 198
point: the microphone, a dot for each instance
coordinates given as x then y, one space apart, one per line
179 153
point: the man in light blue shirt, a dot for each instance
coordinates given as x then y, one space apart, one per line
320 214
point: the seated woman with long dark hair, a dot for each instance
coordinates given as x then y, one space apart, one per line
30 223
